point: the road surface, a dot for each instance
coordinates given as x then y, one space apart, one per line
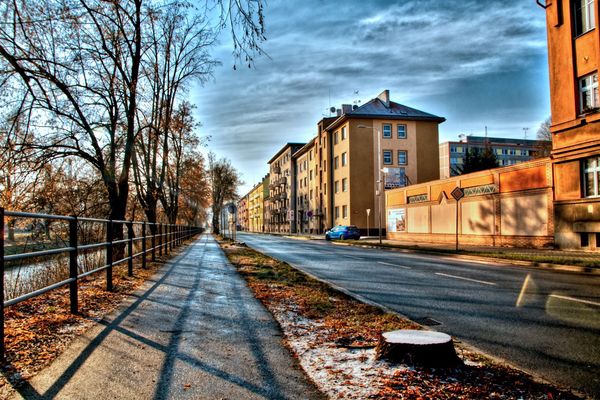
544 322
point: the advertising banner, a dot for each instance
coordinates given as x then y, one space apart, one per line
395 177
396 220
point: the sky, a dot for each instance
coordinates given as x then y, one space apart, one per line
476 63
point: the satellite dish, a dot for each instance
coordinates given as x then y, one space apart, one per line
332 110
354 107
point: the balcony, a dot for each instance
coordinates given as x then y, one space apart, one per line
277 170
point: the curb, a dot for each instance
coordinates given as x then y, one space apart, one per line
521 263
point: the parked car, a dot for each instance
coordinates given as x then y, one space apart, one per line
343 232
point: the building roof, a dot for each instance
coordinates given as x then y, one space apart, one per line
290 144
376 108
304 148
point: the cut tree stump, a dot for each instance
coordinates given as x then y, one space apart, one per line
427 348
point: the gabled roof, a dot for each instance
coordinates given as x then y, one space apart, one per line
376 108
294 146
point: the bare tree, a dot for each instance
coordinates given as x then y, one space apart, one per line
545 137
224 181
177 56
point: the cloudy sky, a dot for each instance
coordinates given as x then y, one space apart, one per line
475 62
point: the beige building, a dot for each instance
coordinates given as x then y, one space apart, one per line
510 206
282 204
381 138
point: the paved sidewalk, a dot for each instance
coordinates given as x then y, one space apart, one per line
194 331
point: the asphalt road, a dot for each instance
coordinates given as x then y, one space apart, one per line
544 322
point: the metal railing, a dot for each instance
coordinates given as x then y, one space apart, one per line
164 239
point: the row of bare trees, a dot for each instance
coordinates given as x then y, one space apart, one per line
94 91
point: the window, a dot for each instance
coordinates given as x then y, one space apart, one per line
401 131
344 185
512 152
335 138
344 159
452 149
344 211
310 155
337 212
402 157
336 186
459 149
336 162
584 16
588 93
311 194
387 157
591 177
304 167
344 133
387 131
325 189
525 152
305 182
585 239
311 174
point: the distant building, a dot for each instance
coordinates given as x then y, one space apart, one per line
574 58
508 152
306 188
242 212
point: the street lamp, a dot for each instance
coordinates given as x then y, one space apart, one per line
379 186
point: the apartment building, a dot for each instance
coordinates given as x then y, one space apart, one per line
361 145
508 151
282 204
574 57
305 160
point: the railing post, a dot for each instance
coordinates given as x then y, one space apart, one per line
2 284
130 248
73 255
154 241
143 245
160 239
167 238
109 255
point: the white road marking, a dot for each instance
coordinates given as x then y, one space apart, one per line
466 279
393 265
523 289
593 303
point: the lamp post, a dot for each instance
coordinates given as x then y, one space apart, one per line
379 186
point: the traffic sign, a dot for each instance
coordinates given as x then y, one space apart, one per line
458 193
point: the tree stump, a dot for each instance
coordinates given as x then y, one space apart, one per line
427 348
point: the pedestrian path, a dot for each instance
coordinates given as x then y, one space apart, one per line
194 331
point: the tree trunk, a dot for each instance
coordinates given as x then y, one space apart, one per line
427 348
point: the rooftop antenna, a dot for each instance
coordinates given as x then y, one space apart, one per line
525 133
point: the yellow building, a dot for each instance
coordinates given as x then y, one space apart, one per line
255 209
574 58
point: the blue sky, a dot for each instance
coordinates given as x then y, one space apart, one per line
475 62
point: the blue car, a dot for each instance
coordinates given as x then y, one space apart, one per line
343 232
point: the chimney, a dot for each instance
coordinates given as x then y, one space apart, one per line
338 112
346 108
385 97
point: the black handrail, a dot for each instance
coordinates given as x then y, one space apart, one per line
166 236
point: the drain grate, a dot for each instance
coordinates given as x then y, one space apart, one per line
427 321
